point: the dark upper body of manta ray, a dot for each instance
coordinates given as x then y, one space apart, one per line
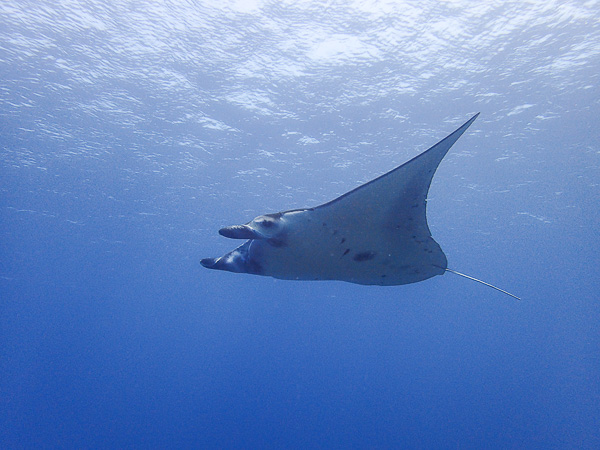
374 234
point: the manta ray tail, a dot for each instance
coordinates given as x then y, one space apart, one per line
482 282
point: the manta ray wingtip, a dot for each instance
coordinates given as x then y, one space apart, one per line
472 119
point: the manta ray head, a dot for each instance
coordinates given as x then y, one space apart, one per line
265 230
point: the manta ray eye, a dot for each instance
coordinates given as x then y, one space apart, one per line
264 222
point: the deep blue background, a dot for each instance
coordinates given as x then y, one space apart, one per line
131 132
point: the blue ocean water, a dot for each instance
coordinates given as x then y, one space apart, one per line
131 131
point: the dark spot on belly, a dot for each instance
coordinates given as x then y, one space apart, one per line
364 256
343 240
346 252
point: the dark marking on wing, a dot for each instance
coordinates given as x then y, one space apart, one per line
364 256
343 240
346 252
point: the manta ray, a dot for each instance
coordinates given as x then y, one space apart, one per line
376 234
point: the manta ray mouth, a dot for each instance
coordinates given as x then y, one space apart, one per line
240 232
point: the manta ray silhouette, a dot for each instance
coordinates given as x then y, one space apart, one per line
376 234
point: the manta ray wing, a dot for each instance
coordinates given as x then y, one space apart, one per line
398 198
374 234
